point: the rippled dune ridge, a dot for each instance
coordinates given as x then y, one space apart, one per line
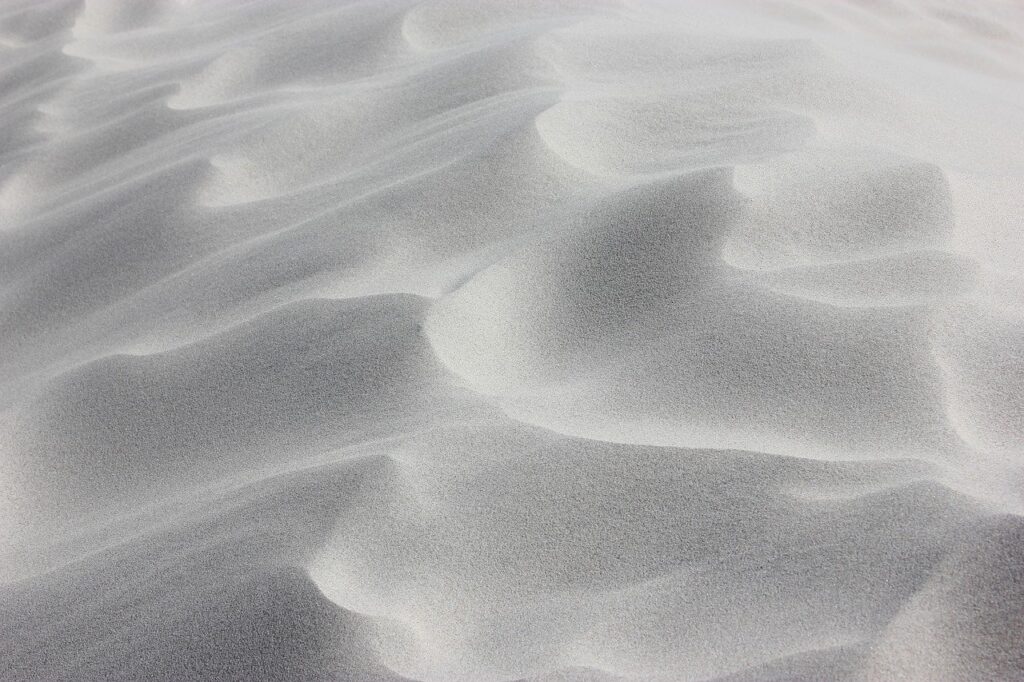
495 340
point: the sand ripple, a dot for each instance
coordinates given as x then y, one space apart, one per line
549 340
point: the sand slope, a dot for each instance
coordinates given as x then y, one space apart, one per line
490 341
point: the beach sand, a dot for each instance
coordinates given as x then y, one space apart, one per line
493 341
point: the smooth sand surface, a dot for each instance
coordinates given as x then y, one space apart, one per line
508 340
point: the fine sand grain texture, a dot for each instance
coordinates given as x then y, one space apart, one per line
512 340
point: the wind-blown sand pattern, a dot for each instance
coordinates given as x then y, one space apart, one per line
490 341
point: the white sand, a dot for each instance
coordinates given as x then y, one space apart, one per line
511 340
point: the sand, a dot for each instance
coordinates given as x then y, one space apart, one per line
480 341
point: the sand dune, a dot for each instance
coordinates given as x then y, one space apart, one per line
511 341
